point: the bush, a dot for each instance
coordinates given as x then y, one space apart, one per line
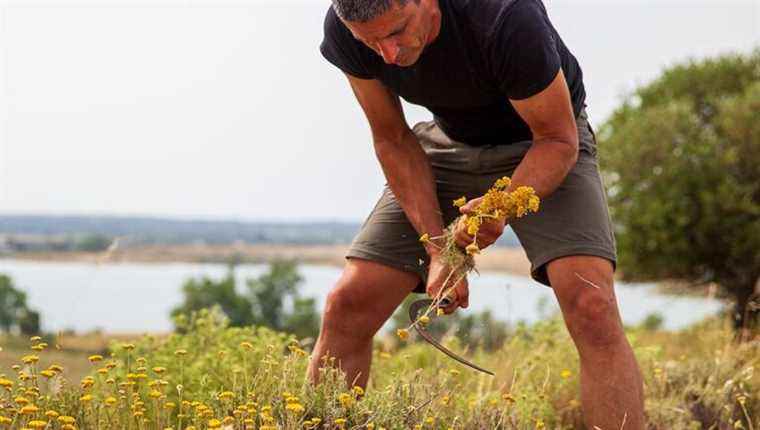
681 157
263 305
14 313
238 376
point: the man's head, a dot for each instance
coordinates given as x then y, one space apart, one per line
397 30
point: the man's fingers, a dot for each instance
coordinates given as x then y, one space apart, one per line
463 293
470 206
466 299
463 239
461 236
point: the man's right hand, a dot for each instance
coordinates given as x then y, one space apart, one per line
437 273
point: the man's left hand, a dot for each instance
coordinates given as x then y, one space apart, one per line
489 231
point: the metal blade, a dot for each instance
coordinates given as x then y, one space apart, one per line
414 311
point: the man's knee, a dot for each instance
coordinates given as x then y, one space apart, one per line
585 291
347 312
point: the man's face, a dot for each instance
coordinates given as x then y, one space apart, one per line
400 34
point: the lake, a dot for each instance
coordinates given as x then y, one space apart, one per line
132 297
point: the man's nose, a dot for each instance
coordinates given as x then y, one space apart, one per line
388 50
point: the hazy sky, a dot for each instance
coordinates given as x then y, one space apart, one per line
225 109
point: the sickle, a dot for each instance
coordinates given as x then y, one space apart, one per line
414 310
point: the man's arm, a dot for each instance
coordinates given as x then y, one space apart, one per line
549 114
554 151
406 167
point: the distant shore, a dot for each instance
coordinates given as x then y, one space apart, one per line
495 259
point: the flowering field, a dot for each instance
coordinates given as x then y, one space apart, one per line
213 376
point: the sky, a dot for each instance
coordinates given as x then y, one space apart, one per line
226 109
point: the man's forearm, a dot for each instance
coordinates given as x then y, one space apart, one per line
545 166
410 177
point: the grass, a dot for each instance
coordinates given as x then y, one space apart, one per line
214 376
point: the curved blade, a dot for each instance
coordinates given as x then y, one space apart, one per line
414 310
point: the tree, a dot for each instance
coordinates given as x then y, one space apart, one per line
206 292
681 159
14 312
271 300
92 243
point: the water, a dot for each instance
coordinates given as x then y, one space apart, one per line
130 297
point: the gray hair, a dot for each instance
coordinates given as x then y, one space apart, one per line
362 10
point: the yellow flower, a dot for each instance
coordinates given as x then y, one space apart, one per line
65 419
29 410
86 398
52 414
358 391
502 183
95 358
425 238
30 359
460 202
37 424
439 312
296 408
424 320
214 424
346 400
110 400
87 382
246 345
566 374
6 383
402 334
473 224
47 373
472 249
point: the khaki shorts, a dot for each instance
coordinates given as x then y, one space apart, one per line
572 221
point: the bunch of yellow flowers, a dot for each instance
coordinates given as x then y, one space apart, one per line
498 203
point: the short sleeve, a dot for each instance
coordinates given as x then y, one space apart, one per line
523 52
341 49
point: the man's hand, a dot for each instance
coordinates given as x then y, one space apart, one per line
489 231
437 274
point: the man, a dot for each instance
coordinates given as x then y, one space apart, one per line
508 99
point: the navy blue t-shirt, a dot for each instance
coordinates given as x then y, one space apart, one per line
488 51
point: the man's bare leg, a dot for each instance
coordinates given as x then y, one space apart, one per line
365 296
611 384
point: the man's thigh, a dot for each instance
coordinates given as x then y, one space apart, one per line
574 220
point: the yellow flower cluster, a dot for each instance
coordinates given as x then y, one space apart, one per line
498 203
